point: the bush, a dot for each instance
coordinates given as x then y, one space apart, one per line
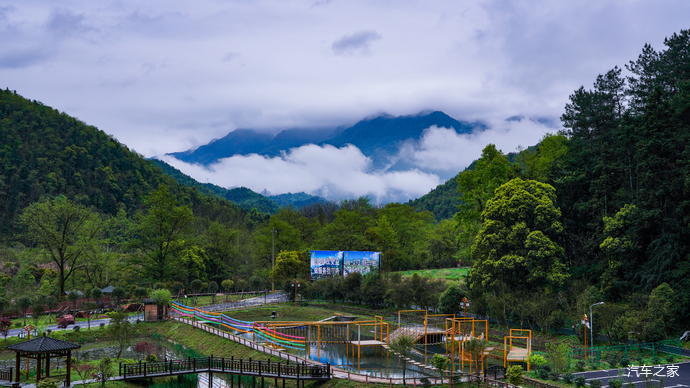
580 365
624 361
579 381
670 359
595 383
568 378
76 328
615 383
48 383
514 374
537 360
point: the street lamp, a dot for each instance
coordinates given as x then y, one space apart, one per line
591 326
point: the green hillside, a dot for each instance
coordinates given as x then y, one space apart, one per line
44 152
242 196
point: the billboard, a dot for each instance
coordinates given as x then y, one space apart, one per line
362 262
342 263
326 264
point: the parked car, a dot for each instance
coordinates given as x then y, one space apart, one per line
65 320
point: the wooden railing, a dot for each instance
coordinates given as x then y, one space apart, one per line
225 365
6 374
344 373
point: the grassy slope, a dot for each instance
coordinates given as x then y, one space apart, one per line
209 344
453 274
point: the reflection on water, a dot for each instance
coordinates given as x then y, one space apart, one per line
373 360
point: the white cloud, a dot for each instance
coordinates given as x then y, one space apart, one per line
445 151
336 173
164 76
341 173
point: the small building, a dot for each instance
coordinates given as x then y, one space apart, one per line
108 290
153 312
43 349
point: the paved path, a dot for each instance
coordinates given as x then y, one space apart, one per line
641 377
81 324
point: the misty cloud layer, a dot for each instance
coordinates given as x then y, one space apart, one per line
342 173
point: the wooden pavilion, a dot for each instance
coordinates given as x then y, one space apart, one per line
43 349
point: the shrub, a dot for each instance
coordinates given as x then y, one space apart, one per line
624 361
537 360
615 383
595 383
670 358
48 383
514 374
568 378
580 365
76 328
579 381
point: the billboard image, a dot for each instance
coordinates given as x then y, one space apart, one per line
362 262
326 264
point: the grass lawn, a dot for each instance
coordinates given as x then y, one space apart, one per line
448 274
290 312
210 299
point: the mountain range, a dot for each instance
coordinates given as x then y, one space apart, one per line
377 137
242 196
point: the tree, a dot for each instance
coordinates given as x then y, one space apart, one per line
120 330
450 299
475 347
96 294
516 252
558 356
66 230
442 363
290 265
514 374
403 345
24 302
227 285
476 186
161 296
161 232
104 371
517 243
37 308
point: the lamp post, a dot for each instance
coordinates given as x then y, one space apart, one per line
273 257
295 289
591 326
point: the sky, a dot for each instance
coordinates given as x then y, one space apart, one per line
164 75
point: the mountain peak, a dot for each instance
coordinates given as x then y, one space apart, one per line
379 134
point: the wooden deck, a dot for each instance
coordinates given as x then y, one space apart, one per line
517 354
368 343
268 369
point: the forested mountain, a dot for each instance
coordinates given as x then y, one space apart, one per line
244 197
378 137
442 201
44 152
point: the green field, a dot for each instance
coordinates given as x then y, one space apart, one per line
450 274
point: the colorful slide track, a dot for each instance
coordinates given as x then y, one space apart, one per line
269 335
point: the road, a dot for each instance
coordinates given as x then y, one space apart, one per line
275 297
81 324
656 376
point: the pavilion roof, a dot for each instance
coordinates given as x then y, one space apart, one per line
43 344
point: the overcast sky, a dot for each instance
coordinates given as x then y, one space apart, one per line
164 75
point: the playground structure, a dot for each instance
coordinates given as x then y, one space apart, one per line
465 339
516 353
